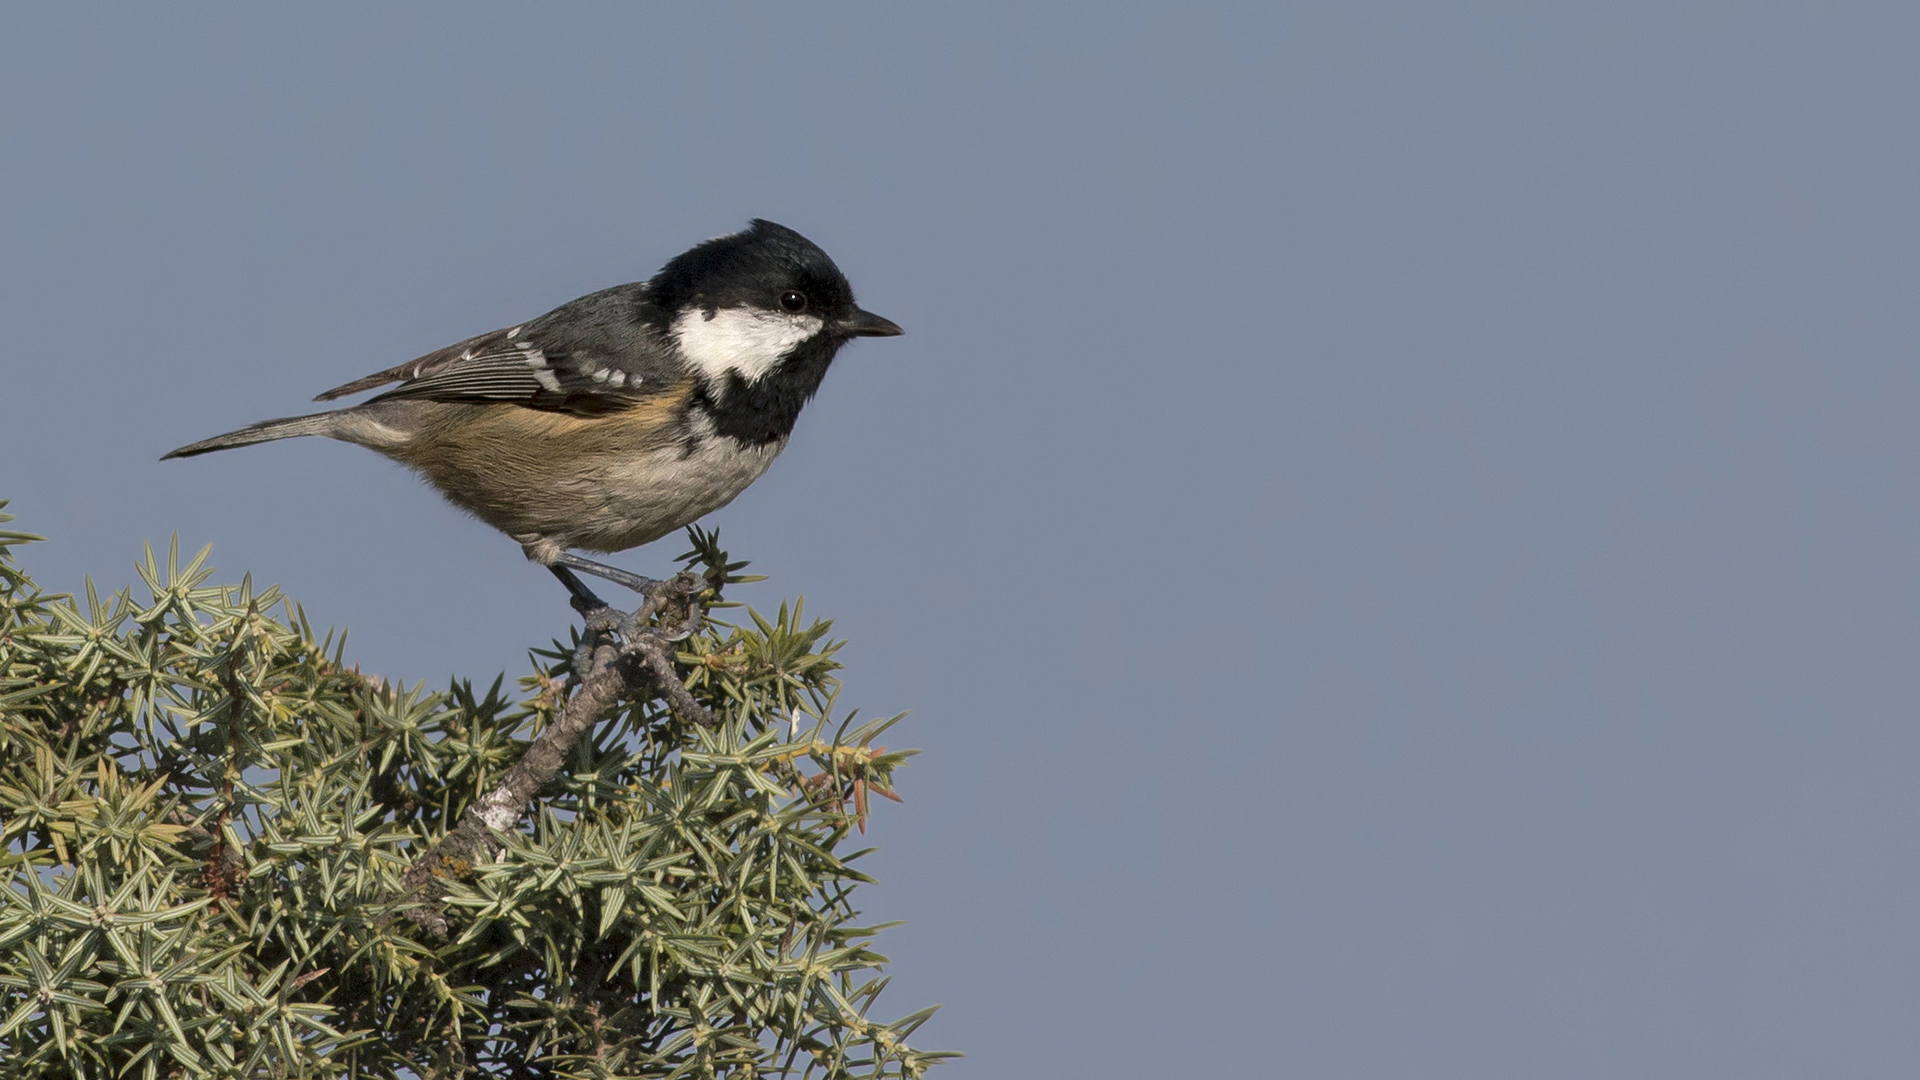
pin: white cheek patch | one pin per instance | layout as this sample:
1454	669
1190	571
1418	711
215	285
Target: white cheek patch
740	341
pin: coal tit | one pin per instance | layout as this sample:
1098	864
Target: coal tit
620	417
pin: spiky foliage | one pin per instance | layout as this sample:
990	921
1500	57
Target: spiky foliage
205	817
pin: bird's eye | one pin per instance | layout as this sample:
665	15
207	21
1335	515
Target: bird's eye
793	301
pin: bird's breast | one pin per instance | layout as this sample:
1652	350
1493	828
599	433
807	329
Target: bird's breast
603	483
643	498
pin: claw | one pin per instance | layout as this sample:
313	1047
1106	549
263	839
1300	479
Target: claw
687	629
605	620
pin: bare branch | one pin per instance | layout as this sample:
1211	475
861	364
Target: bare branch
652	651
601	683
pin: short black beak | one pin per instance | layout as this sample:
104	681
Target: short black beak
867	324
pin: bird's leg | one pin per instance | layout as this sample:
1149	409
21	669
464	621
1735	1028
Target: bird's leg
599	617
597	612
642	585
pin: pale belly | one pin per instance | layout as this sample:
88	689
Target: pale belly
629	503
555	483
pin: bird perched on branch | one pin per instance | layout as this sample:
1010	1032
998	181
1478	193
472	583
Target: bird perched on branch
617	418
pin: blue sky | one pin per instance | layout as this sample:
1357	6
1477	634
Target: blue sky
1396	524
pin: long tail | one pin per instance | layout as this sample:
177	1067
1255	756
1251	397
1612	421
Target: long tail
265	431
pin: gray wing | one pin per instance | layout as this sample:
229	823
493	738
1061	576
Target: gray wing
601	353
413	369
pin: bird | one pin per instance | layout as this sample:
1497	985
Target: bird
616	418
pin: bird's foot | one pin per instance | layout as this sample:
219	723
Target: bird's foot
602	617
583	600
